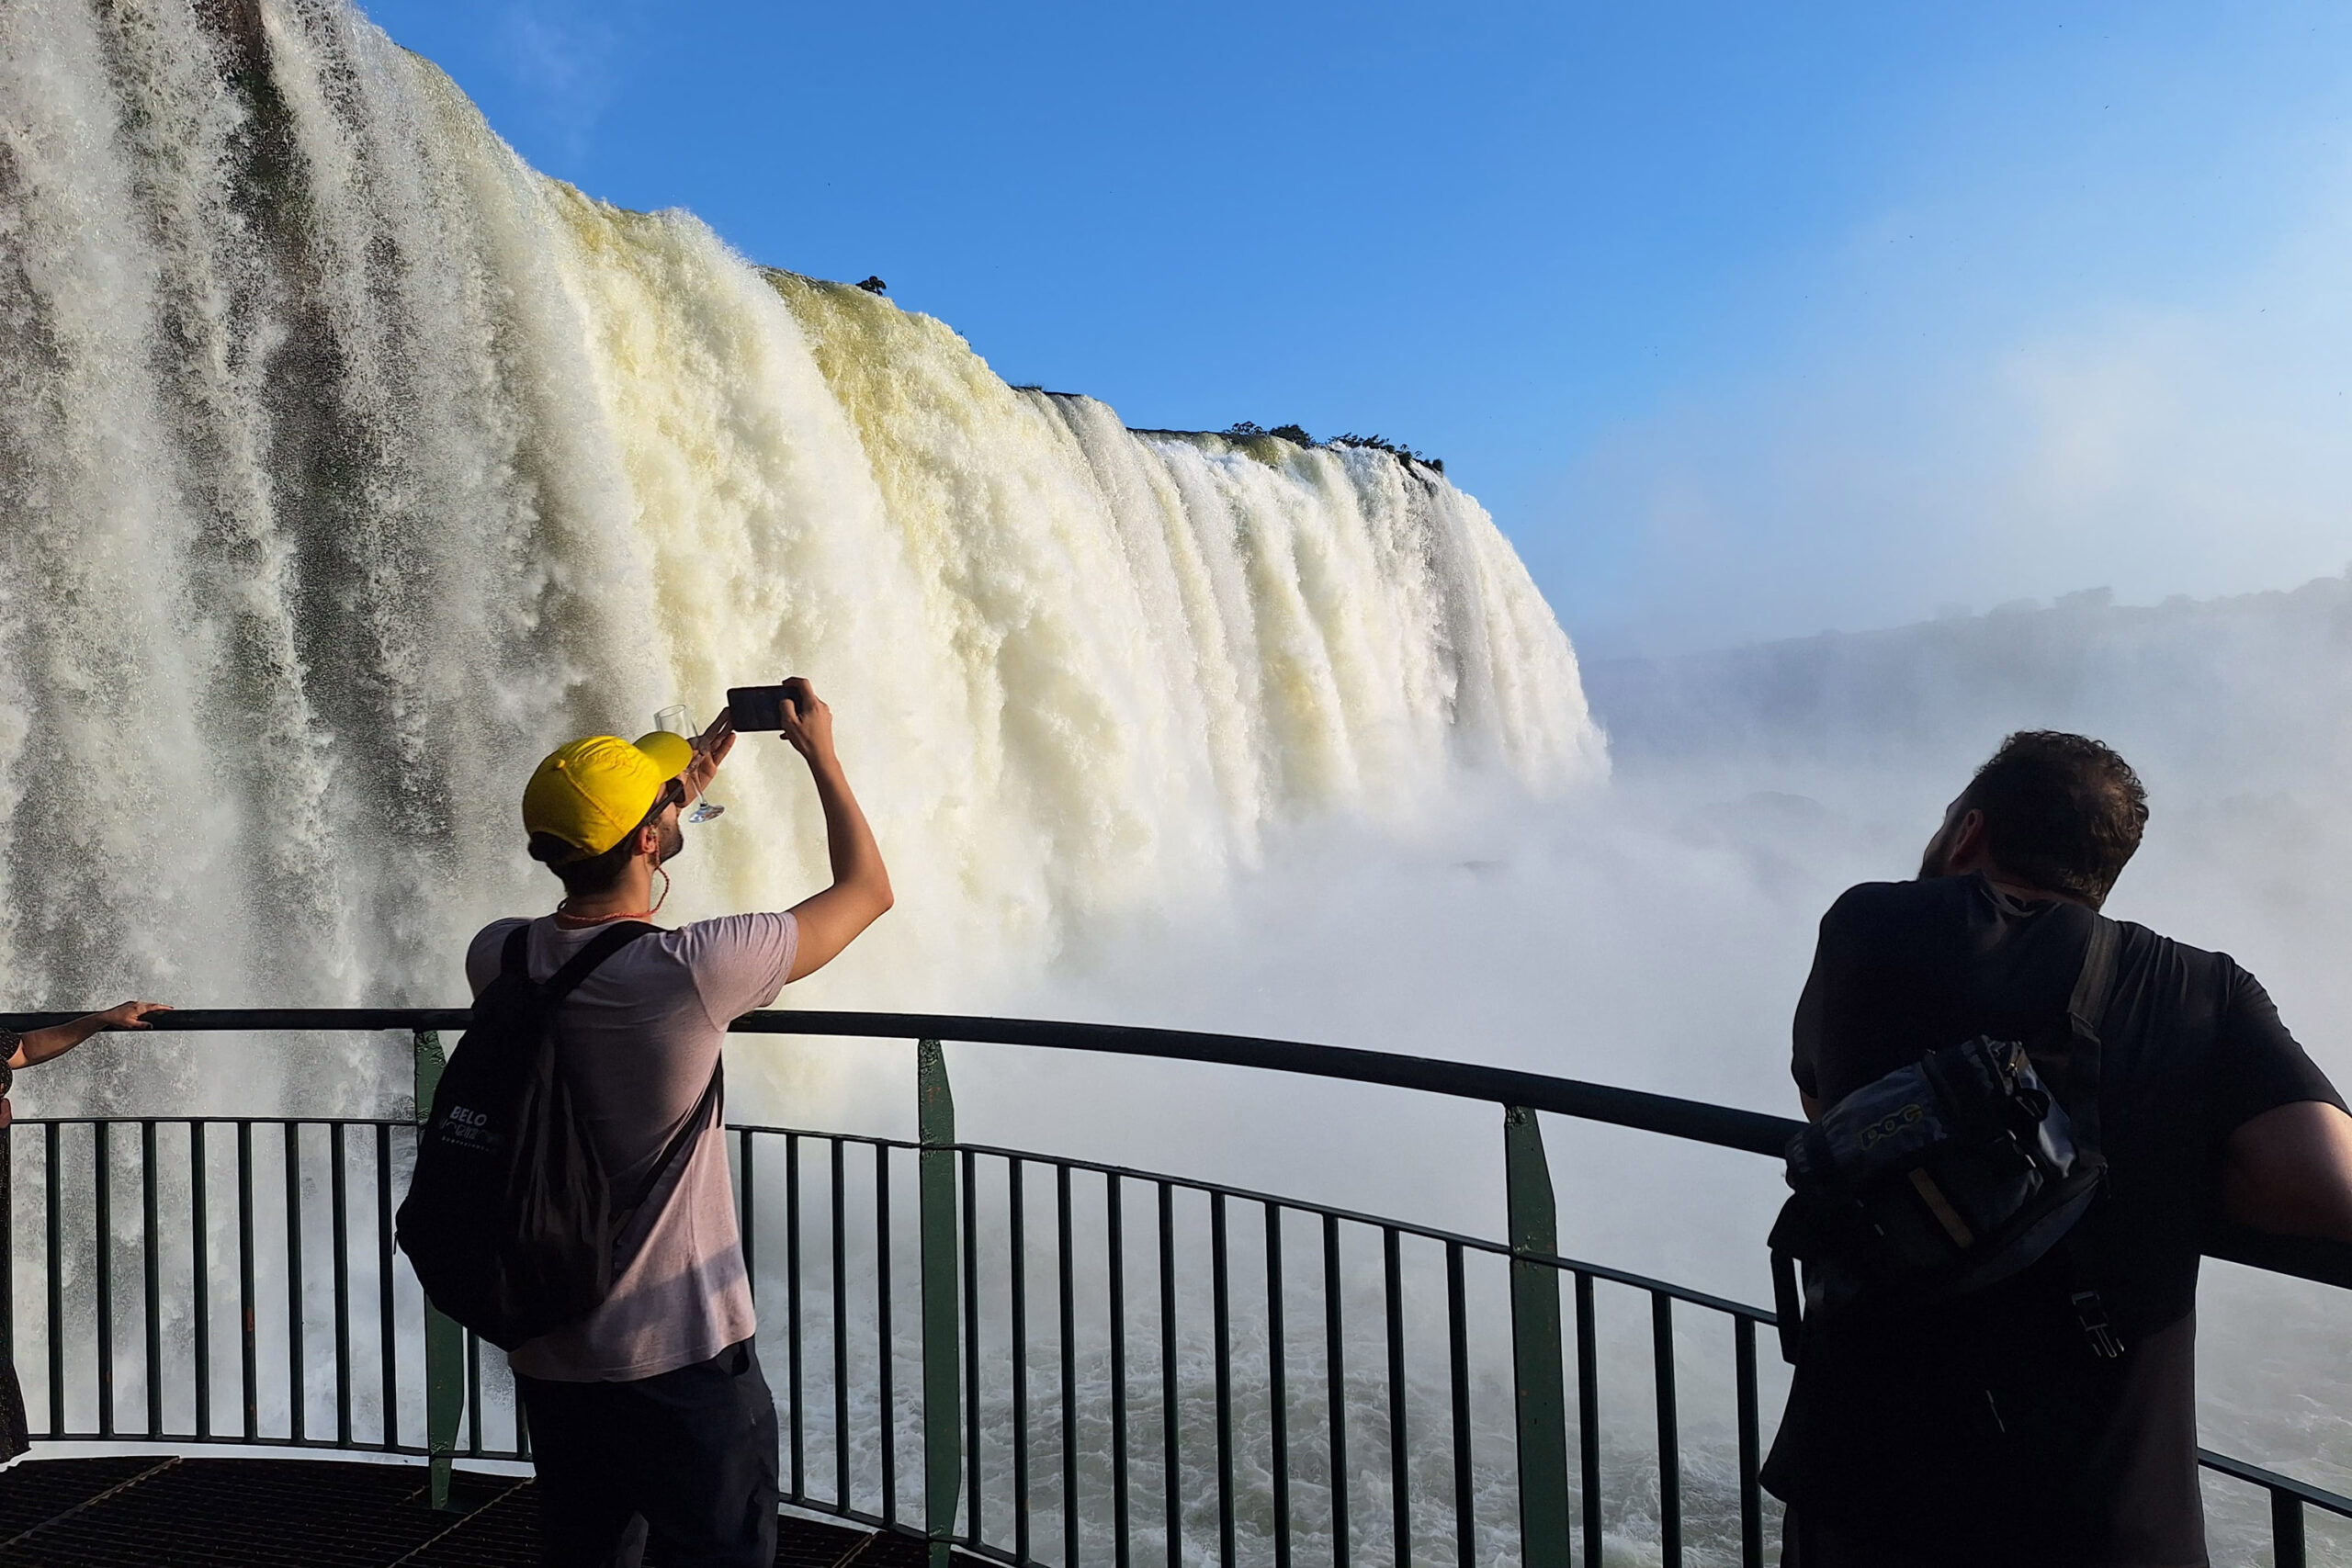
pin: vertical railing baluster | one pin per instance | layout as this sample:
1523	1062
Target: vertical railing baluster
1114	1226
1335	1384
1065	1268
1751	1497
1588	1417
841	1324
54	1179
473	1394
295	1391
1171	1494
248	1351
972	1530
747	1215
1669	1433
1536	1372
943	1425
1400	1457
886	1363
793	1316
1457	1335
200	1249
102	1205
1277	1387
2285	1530
1018	1241
445	1345
1221	1338
152	1269
387	1342
338	1196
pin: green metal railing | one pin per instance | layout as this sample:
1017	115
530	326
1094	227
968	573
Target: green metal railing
1321	1404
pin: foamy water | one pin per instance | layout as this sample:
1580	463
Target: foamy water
347	465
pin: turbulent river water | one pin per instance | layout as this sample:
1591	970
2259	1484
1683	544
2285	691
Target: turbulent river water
347	463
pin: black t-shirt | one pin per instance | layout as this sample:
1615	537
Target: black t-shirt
1893	1422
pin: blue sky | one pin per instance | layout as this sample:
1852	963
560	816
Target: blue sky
1744	320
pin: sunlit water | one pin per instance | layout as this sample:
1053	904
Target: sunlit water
347	463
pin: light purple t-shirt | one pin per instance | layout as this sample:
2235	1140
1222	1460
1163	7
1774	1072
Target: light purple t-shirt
639	1039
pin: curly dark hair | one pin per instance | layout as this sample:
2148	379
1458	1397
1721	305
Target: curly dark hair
2061	811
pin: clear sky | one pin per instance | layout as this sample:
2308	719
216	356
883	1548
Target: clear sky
1743	320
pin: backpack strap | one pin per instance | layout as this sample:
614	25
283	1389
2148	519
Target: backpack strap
560	983
578	967
2086	1012
697	1122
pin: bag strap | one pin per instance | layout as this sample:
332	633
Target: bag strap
578	967
697	1122
2086	1012
2085	1015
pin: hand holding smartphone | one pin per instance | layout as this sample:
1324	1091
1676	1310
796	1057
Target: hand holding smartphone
792	707
756	708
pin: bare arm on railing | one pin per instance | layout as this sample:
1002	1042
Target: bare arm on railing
47	1044
2290	1171
860	895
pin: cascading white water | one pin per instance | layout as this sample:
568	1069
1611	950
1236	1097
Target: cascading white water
347	463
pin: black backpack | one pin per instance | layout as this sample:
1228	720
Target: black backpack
1951	1174
510	1220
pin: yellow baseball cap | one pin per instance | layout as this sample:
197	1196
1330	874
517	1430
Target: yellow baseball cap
591	793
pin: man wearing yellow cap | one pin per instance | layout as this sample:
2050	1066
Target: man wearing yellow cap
650	1416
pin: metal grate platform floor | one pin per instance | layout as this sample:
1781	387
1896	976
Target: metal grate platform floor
165	1512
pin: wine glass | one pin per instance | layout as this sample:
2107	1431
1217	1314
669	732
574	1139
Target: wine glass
675	719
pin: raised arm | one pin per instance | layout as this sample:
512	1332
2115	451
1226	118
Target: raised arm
860	895
2290	1171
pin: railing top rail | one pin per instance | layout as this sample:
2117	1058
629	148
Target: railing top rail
2303	1490
1723	1126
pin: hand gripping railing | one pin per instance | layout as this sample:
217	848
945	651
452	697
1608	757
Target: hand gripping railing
1556	1522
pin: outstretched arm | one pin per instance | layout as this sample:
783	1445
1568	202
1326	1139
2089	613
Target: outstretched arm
46	1044
860	895
2290	1171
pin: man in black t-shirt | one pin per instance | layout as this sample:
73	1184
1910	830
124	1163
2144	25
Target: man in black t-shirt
1986	1429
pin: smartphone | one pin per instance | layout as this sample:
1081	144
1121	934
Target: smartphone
755	707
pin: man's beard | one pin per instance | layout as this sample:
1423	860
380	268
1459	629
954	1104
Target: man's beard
673	840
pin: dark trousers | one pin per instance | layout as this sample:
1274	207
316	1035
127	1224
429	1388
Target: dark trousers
686	1458
1806	1543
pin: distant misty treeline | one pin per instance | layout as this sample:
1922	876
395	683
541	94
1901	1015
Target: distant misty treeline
2246	693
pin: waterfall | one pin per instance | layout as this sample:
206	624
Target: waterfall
347	464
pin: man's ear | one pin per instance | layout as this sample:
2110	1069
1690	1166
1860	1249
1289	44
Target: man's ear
1968	851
